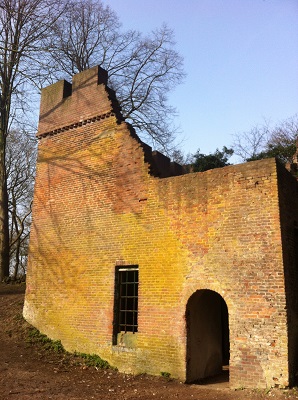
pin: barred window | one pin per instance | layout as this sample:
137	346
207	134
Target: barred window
126	299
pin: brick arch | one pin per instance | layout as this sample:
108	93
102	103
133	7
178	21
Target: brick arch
207	327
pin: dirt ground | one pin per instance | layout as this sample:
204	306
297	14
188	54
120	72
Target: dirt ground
28	371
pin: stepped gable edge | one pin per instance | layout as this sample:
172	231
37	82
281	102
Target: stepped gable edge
65	106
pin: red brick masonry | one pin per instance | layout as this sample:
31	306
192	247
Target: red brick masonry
103	199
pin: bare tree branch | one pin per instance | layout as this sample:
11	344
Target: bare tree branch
142	70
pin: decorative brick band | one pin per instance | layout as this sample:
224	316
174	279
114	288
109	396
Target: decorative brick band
77	124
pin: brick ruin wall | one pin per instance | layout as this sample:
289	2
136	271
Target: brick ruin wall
97	205
288	191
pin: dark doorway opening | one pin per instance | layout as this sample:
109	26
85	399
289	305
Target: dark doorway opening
208	342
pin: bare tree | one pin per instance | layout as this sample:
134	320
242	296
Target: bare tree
23	34
20	169
285	136
247	145
181	158
265	141
142	70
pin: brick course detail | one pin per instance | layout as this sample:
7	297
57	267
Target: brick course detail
103	199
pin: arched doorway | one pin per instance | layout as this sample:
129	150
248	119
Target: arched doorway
208	344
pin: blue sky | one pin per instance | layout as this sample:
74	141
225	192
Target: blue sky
240	57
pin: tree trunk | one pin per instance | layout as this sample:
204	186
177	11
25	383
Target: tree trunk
4	227
17	260
14	223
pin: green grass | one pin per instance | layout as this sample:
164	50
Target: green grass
93	360
165	374
34	337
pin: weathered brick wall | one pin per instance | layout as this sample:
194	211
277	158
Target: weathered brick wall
228	221
288	189
97	206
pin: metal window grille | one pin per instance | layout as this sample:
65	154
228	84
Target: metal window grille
127	310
